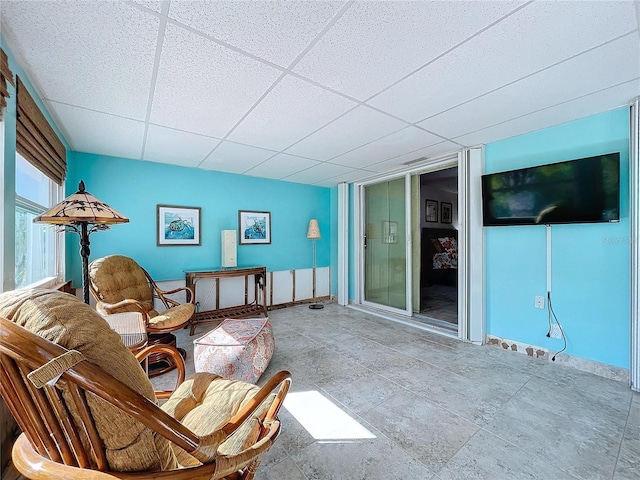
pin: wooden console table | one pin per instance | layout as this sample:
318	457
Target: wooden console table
246	310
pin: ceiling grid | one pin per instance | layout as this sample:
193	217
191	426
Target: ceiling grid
318	92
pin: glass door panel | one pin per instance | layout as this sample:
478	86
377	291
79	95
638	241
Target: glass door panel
385	246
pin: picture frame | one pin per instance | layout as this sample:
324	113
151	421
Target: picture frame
176	225
254	228
431	211
389	232
446	213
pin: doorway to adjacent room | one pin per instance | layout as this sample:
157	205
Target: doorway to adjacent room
437	261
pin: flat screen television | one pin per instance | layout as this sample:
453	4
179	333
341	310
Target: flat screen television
585	190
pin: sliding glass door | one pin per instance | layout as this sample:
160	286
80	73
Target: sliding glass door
385	244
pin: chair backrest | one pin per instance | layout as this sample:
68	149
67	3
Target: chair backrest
59	419
40	325
115	278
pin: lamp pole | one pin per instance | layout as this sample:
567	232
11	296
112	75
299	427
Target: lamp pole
84	253
314	233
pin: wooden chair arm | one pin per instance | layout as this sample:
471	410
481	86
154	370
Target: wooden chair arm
281	379
161	293
38	467
190	296
170	302
174	354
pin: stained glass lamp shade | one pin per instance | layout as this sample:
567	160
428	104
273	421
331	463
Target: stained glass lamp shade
83	214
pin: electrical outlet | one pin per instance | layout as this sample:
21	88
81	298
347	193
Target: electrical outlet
555	331
539	301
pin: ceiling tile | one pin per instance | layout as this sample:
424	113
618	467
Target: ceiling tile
155	5
377	43
565	112
235	158
280	166
359	126
166	145
85	53
423	153
348	177
582	75
319	173
99	133
584	25
291	111
405	140
203	87
277	31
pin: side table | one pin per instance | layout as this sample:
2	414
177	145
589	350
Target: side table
248	308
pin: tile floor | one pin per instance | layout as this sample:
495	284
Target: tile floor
440	302
436	408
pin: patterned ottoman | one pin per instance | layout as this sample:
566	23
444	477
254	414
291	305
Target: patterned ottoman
237	349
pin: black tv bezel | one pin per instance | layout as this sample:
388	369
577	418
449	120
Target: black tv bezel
513	221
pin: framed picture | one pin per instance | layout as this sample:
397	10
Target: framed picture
389	232
178	225
254	227
446	213
431	211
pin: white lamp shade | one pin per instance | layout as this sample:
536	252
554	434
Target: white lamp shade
314	229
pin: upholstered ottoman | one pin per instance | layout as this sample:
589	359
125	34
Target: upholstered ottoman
237	349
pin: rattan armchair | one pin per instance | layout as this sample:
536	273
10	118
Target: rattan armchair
119	285
83	420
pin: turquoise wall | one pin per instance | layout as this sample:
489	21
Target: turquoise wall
590	270
134	188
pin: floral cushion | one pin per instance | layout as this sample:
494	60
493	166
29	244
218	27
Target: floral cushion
448	258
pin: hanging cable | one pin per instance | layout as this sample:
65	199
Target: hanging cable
564	338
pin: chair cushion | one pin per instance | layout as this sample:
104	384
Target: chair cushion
173	317
118	278
205	402
67	321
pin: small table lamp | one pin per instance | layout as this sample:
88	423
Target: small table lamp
314	233
74	214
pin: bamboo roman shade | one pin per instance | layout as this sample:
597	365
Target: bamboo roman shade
36	140
6	75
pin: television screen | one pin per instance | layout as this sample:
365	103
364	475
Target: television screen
575	191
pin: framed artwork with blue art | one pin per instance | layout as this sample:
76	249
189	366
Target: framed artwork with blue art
254	227
178	225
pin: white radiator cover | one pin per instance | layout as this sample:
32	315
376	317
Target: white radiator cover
281	288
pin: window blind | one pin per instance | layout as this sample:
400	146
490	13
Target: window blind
36	141
6	75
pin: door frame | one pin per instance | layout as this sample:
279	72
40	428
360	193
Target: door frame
471	321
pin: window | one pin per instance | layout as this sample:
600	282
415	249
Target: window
38	249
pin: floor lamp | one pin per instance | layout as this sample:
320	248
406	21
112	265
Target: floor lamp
314	233
83	214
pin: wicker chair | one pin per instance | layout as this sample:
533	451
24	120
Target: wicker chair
120	285
88	411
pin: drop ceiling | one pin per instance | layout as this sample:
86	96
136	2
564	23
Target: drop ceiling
318	92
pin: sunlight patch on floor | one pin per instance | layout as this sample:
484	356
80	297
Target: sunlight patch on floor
323	419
